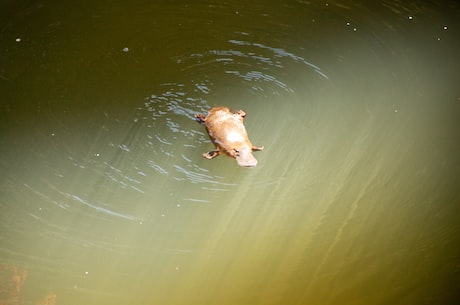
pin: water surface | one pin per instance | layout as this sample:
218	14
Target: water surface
104	195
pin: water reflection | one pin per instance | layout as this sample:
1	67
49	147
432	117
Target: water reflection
12	280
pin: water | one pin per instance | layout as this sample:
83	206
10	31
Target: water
104	195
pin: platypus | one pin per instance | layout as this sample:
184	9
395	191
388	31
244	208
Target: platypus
227	133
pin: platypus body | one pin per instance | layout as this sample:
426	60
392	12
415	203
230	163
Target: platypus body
227	133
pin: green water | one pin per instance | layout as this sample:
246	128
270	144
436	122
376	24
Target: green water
106	199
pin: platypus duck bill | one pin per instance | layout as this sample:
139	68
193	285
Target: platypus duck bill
246	160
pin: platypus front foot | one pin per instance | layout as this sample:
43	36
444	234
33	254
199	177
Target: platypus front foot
211	154
200	118
241	113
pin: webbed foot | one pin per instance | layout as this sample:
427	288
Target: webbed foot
200	118
211	154
241	113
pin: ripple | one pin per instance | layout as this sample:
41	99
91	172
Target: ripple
103	210
214	76
257	76
252	62
277	53
196	177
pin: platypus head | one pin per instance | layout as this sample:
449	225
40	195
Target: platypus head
244	157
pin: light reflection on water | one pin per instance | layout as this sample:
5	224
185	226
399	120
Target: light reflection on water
105	198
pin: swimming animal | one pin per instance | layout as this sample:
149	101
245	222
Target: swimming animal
229	136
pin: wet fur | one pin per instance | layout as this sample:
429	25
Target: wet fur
229	136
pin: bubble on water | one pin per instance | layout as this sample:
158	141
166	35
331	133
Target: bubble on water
18	39
444	27
124	147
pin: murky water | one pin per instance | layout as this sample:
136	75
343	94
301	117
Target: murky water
104	195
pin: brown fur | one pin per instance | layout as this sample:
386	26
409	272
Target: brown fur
229	136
